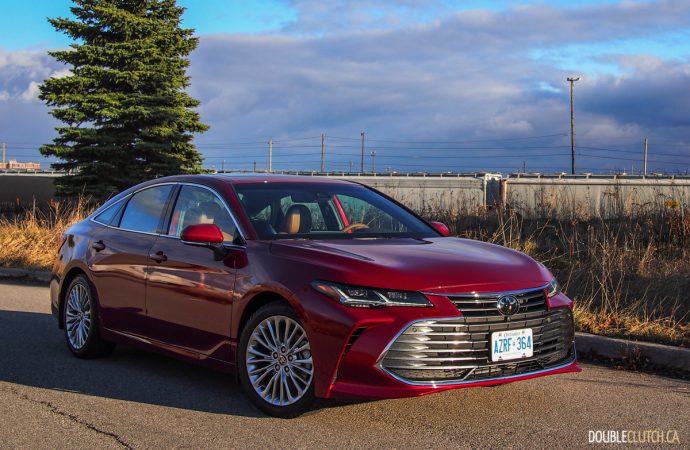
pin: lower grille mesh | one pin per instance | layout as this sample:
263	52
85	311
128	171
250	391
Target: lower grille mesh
459	349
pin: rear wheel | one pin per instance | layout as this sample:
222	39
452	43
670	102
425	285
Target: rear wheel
80	320
275	364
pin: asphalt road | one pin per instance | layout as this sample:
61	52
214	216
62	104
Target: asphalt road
48	399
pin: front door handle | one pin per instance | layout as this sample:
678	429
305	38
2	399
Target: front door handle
159	256
98	246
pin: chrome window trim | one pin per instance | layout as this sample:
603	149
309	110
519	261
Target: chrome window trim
175	183
127	197
98	212
126	229
485	294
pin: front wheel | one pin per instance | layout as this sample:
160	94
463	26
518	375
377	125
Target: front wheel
80	320
275	363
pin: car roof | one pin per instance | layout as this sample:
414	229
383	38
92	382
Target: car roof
237	178
252	178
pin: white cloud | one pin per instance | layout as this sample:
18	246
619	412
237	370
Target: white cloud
61	73
31	92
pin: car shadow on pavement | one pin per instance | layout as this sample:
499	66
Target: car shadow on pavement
33	353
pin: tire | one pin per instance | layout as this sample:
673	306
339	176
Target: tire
275	364
80	321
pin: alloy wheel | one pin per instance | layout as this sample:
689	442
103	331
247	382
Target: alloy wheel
278	360
78	316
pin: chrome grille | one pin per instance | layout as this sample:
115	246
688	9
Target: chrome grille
458	349
481	305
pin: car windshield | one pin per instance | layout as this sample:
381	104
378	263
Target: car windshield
326	211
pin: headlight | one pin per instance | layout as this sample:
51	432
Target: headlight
362	297
553	289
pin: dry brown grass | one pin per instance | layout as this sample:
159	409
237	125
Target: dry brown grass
29	240
627	324
629	276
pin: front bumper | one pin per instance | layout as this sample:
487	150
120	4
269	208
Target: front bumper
347	389
405	356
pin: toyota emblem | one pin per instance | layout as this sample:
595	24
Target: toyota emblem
508	305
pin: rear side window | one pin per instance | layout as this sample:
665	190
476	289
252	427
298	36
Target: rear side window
143	211
111	215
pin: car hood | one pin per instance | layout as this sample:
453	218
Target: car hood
431	265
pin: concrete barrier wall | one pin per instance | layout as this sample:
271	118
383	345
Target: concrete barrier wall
461	193
595	196
532	196
23	189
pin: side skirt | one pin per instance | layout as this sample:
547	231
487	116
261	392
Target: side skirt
169	350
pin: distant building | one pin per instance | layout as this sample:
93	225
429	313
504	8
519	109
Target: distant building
13	164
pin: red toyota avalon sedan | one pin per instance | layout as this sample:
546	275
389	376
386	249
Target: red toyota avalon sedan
305	287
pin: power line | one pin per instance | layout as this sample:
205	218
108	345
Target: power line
456	142
635	151
634	159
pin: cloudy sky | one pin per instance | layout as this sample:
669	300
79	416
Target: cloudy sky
474	85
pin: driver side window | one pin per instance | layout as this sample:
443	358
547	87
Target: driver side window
197	205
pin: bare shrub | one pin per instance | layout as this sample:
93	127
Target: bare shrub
628	275
29	239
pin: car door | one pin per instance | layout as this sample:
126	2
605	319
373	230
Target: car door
122	248
189	293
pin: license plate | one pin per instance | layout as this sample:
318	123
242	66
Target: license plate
511	344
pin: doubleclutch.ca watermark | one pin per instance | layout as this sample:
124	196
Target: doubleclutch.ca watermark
634	437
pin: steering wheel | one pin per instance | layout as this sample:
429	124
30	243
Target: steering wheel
354	226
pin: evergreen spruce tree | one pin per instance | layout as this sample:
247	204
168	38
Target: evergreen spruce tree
126	115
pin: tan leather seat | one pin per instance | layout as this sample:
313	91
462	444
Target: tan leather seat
297	220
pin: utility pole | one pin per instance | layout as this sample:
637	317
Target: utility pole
645	157
361	164
254	167
323	165
270	155
350	166
373	161
3	156
222	166
572	122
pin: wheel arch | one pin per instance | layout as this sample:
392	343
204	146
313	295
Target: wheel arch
257	302
71	274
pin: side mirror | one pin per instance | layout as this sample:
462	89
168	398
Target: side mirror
205	235
441	228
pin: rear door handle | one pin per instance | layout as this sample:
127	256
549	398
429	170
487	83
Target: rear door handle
159	257
98	246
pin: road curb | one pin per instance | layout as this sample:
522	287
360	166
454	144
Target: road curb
634	353
25	274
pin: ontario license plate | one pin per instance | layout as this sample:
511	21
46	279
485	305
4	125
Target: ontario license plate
511	344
